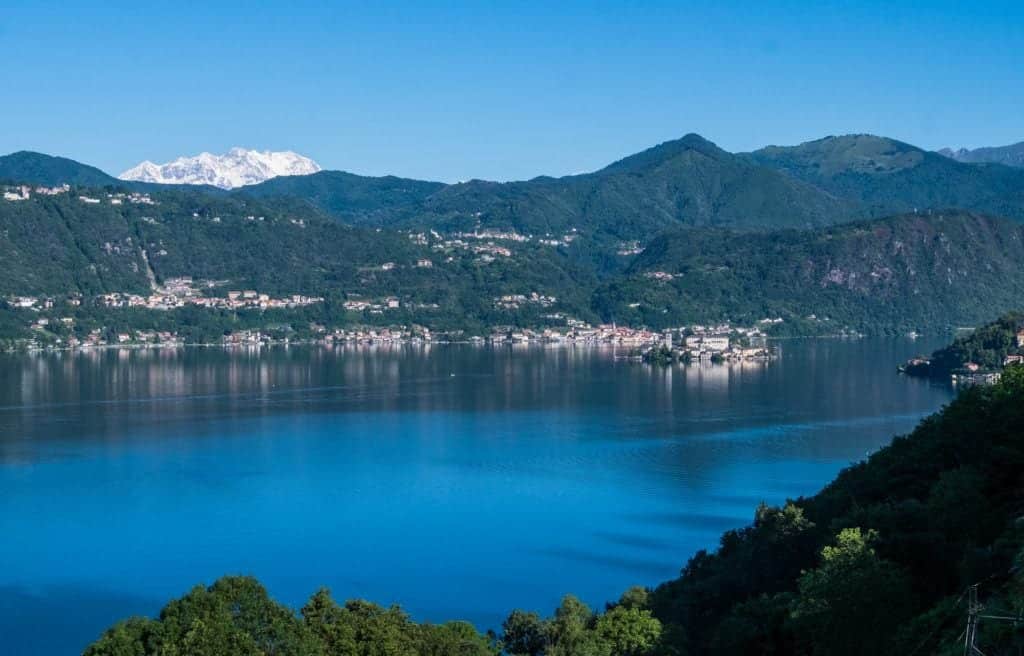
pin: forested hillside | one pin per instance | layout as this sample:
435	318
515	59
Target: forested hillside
916	272
877	563
987	347
64	247
355	199
884	176
679	233
685	182
899	274
689	181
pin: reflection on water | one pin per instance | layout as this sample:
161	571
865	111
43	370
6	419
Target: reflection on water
459	481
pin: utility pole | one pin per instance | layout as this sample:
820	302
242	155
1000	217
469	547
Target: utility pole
973	611
974	614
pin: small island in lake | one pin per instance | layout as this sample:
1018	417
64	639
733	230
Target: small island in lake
716	344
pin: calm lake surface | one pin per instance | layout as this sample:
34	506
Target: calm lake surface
458	481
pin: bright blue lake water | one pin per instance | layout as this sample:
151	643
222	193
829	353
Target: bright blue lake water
459	481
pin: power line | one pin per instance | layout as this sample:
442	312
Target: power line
974	615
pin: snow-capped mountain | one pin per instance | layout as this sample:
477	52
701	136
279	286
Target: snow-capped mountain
236	168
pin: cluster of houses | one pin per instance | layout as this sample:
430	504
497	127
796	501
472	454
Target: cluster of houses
179	292
483	243
120	199
578	333
515	301
352	336
547	239
24	192
374	306
394	335
710	345
972	373
96	338
486	252
628	248
482	235
659	275
30	302
696	342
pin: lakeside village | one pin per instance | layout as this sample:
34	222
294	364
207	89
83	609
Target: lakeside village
719	343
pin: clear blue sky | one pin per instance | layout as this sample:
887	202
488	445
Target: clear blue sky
500	90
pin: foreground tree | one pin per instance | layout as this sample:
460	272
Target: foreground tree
854	602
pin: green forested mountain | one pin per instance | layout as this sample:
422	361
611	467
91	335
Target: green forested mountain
354	199
884	176
689	181
898	274
61	245
685	182
877	563
39	169
776	233
924	271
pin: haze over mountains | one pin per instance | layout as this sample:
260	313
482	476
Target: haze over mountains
1012	155
758	230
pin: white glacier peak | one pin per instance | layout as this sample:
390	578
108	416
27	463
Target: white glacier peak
236	168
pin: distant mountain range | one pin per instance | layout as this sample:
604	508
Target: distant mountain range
685	182
681	231
1012	155
236	168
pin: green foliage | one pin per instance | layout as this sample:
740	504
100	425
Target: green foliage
851	591
875	562
524	634
986	346
884	276
236	617
628	631
624	629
